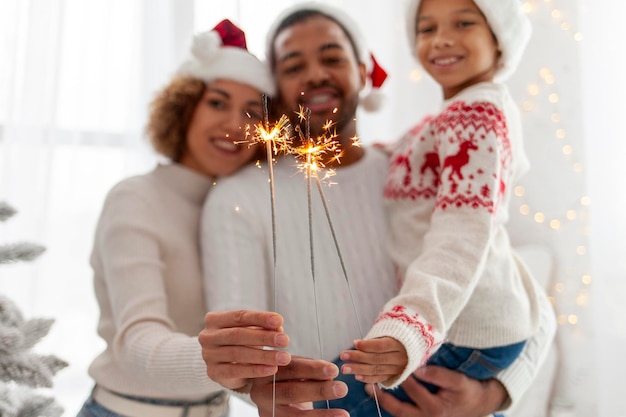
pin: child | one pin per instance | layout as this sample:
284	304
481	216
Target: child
447	192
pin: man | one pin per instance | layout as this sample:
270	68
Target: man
320	62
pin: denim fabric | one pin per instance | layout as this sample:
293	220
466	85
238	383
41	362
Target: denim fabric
476	363
93	409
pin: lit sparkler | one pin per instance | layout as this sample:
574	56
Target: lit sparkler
276	139
313	153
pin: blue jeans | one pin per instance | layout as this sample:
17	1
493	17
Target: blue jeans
479	364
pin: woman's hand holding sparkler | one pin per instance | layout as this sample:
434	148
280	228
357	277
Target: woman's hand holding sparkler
375	360
234	346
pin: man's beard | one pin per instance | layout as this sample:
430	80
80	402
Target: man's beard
317	124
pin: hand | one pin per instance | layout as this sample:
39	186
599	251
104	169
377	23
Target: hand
375	360
297	385
232	346
458	395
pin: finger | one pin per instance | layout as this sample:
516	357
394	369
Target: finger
243	318
393	405
310	391
231	371
371	373
297	391
304	368
245	355
418	393
242	336
379	345
372	379
294	411
442	377
398	359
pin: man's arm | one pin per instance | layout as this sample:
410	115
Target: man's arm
518	377
460	396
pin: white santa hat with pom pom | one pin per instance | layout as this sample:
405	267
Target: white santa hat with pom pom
222	53
372	98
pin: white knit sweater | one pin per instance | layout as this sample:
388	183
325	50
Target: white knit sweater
148	285
237	257
448	192
237	247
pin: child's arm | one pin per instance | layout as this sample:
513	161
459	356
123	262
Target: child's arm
375	360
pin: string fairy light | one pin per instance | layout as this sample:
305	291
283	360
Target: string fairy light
556	14
545	88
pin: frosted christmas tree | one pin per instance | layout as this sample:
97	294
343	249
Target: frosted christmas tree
23	373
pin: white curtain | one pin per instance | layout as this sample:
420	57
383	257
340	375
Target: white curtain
75	80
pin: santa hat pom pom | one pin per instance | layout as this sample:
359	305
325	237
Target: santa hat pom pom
206	45
373	101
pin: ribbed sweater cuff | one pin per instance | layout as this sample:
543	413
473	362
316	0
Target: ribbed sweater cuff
515	380
412	340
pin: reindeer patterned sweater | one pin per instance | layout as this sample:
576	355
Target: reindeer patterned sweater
447	193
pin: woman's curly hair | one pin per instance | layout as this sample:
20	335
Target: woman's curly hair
170	115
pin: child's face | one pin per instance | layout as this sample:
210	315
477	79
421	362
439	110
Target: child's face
454	44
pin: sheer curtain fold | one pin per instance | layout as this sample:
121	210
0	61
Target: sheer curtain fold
75	81
76	77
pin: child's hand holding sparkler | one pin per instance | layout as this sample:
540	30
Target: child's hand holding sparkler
375	360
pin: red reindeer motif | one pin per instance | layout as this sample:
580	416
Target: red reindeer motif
457	161
431	162
404	161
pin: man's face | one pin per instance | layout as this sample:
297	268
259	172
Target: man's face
316	67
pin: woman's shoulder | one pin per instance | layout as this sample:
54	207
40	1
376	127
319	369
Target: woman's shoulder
137	194
136	186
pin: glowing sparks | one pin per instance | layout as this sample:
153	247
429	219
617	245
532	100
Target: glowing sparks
277	135
314	153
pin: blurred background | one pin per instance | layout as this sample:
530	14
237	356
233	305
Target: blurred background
75	80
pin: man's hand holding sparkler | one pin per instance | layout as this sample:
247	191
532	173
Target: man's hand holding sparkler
234	346
375	360
290	393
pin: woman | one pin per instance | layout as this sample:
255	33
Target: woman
145	258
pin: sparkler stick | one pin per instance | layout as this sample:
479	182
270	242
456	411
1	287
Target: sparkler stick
309	172
313	154
269	155
343	269
275	140
268	151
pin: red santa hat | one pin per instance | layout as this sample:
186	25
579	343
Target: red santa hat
372	97
507	21
222	53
